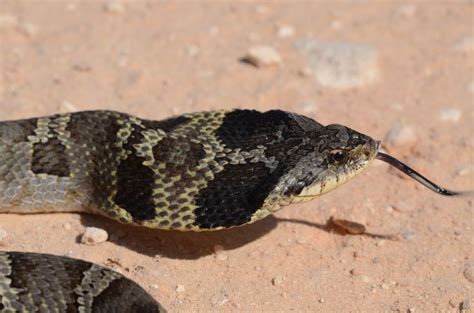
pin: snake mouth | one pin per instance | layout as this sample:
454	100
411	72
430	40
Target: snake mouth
415	175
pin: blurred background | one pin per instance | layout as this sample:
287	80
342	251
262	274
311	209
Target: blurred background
397	71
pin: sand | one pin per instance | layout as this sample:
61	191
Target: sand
402	69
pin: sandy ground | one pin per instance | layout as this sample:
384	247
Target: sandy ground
371	66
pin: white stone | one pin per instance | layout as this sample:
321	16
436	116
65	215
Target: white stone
450	114
8	21
114	7
261	56
407	10
277	280
341	65
180	289
28	29
465	44
3	236
94	235
285	31
400	137
465	170
470	86
193	50
66	107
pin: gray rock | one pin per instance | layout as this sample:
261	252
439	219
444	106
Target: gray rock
400	137
469	272
341	64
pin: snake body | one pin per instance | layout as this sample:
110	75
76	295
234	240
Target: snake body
195	172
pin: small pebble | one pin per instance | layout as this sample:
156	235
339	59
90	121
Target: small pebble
466	304
406	10
408	234
219	300
219	251
285	31
470	86
465	44
214	31
261	9
411	310
28	29
66	107
355	272
154	286
451	114
8	21
465	170
308	106
277	280
261	56
221	256
305	72
321	300
400	137
193	50
93	236
380	243
365	279
336	24
469	272
180	289
114	7
3	236
67	226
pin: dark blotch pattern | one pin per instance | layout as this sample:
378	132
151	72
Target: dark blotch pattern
113	297
178	155
18	131
50	158
246	129
53	279
49	277
233	196
135	182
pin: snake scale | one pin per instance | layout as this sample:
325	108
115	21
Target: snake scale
195	172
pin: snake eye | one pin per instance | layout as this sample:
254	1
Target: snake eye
338	156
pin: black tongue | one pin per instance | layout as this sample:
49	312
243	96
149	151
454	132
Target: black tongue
415	175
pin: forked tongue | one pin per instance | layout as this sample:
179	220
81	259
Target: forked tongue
415	175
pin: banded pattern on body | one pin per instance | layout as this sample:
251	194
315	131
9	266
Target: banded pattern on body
198	171
31	282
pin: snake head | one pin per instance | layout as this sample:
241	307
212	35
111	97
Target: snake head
335	155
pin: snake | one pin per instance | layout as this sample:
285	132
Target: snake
202	171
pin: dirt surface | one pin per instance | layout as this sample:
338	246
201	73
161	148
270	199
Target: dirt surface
404	67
